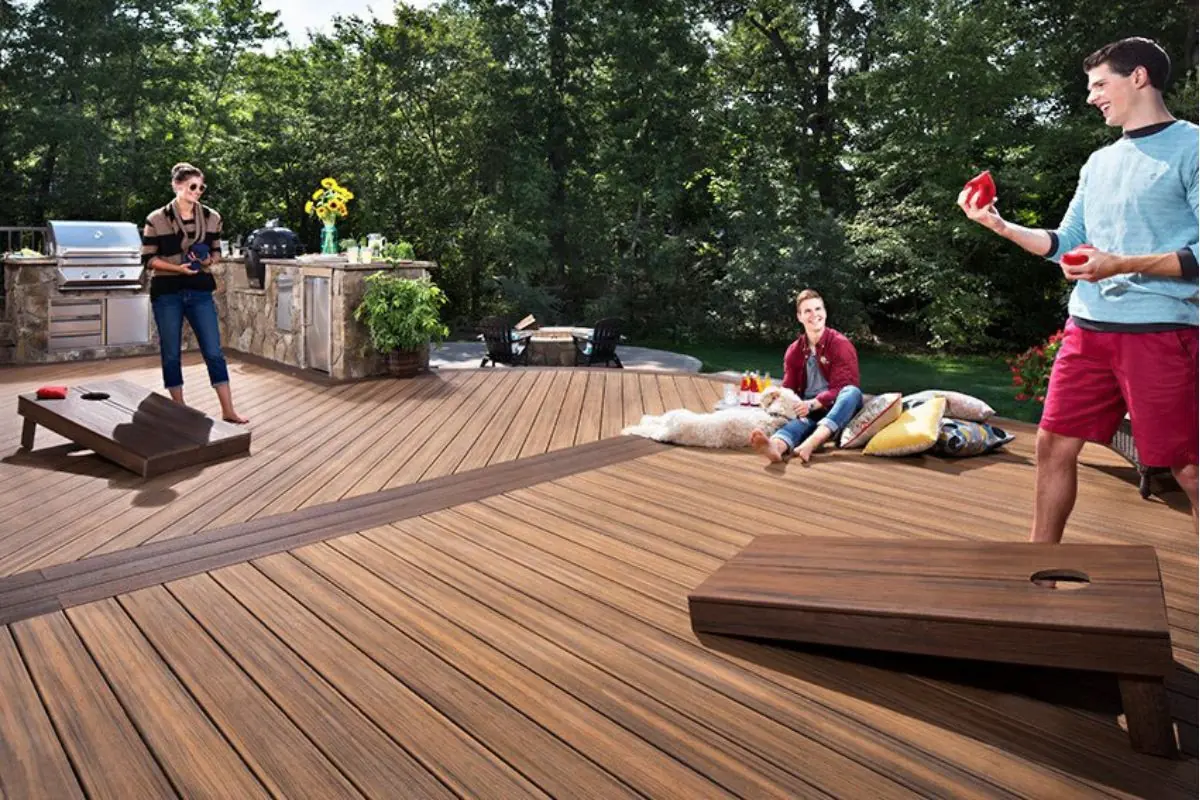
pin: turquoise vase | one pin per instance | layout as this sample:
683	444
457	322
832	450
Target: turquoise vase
329	242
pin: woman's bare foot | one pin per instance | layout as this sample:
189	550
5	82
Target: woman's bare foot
773	449
225	396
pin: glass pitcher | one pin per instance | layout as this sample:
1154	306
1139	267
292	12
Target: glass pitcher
375	244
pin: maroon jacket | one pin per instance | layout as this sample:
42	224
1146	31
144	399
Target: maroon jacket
836	359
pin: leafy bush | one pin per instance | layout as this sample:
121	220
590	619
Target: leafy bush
1031	369
398	251
401	313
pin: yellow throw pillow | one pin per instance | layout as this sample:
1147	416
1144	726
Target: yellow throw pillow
915	432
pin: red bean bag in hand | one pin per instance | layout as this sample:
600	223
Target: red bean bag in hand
982	188
1079	255
52	393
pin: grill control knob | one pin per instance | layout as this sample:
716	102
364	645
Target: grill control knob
87	276
103	276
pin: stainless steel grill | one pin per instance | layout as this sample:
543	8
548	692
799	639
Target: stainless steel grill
96	255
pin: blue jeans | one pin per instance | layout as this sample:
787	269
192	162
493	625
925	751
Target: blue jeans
847	404
197	307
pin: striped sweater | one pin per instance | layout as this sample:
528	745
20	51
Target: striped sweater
168	236
1137	196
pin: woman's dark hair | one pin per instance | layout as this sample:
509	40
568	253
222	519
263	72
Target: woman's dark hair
183	170
1125	56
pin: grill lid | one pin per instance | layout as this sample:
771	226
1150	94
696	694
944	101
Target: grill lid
75	239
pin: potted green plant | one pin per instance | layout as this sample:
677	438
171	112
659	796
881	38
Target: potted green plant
402	315
395	252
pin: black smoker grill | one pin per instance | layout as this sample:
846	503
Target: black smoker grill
96	255
269	242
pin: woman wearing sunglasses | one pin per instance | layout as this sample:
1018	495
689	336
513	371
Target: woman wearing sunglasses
179	242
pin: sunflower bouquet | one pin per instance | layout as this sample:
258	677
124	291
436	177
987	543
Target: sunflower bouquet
327	204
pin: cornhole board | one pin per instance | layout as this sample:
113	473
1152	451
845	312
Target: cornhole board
970	600
143	431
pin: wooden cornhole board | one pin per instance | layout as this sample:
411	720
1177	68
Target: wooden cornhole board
972	600
142	431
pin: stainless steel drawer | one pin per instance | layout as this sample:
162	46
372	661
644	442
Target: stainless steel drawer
75	327
72	342
76	309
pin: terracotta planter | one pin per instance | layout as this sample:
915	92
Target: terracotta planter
404	363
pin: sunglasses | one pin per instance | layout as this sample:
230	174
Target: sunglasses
201	187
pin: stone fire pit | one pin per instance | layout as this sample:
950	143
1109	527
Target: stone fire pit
554	347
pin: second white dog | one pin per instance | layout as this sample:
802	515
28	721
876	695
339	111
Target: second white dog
727	428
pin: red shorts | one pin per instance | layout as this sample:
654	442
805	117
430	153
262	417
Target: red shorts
1098	377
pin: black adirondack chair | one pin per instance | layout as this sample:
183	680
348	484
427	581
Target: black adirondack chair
601	346
502	346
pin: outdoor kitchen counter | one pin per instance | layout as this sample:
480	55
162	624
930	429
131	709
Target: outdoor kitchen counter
38	318
303	316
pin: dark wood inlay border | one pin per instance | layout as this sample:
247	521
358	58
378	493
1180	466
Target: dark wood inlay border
31	594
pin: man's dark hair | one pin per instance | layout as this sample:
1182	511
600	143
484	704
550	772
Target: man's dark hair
1125	56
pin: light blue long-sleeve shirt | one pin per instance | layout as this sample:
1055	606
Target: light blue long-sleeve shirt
1138	196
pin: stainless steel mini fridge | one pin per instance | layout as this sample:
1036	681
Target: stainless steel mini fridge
317	340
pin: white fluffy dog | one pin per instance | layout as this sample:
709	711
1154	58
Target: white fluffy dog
727	428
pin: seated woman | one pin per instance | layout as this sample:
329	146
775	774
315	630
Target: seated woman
822	367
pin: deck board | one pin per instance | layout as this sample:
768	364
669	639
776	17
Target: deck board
108	754
352	600
463	585
32	760
285	759
567	423
189	747
364	750
626	727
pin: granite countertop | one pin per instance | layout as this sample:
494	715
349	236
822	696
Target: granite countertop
340	263
50	261
30	261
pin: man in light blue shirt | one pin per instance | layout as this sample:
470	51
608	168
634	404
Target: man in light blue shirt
1131	342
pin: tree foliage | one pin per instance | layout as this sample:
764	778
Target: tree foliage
688	165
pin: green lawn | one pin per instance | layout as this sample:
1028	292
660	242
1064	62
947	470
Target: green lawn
987	378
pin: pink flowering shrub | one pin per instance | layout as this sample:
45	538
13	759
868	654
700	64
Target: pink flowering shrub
1031	369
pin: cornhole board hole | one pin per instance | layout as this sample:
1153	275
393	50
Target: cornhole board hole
1102	610
142	431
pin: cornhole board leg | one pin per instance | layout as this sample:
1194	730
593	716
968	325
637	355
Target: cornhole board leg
27	433
1148	715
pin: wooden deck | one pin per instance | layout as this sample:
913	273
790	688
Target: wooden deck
468	586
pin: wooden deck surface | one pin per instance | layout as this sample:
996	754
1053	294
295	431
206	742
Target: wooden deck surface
311	445
530	640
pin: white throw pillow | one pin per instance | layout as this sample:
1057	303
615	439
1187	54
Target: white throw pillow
958	405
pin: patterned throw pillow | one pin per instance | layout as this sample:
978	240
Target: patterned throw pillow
915	432
877	413
960	438
958	405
